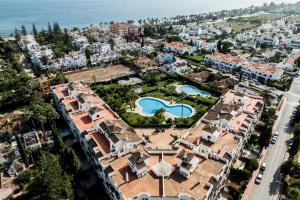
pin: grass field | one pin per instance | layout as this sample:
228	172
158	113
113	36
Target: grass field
242	23
196	57
296	18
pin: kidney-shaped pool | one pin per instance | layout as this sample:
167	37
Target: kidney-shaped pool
150	105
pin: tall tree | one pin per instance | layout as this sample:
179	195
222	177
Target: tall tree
59	78
41	113
69	160
23	30
56	28
34	30
49	181
17	34
50	31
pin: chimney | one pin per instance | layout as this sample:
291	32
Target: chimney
127	177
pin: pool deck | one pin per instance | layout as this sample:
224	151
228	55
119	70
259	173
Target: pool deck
139	109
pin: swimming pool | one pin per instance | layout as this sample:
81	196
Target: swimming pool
191	90
150	105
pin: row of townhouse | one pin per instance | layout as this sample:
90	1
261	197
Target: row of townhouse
78	40
203	30
221	134
225	62
179	48
293	42
95	33
194	167
180	66
268	40
256	70
130	46
253	70
199	42
271	34
245	36
104	58
42	56
38	54
73	60
289	62
99	47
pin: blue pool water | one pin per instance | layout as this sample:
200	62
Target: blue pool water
189	89
151	105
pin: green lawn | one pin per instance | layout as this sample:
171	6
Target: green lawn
196	57
282	84
243	23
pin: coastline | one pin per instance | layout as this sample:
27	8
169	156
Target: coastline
9	21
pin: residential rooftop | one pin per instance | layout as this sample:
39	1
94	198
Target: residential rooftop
160	170
237	60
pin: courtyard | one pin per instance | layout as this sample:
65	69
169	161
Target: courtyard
123	100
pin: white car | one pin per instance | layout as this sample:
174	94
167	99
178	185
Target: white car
258	178
263	166
276	134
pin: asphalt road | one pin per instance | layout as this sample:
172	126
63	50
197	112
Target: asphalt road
269	188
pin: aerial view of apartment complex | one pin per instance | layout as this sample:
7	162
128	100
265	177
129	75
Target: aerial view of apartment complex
190	107
192	167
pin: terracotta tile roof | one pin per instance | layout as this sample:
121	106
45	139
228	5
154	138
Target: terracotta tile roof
238	60
291	59
119	130
262	68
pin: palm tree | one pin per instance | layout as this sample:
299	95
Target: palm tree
160	113
266	96
34	85
41	113
132	97
181	98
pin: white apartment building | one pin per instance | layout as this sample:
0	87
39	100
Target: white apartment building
123	160
178	47
224	62
99	47
101	59
131	46
74	60
258	70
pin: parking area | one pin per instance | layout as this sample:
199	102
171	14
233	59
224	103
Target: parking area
99	74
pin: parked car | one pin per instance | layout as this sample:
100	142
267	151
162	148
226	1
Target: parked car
263	166
258	178
274	139
276	134
290	143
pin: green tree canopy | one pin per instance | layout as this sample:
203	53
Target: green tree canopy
49	181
